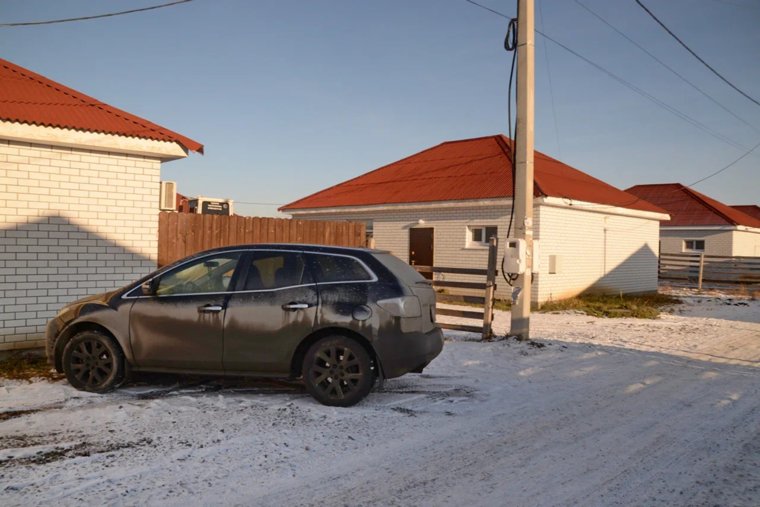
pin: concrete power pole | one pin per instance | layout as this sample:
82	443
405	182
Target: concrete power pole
523	198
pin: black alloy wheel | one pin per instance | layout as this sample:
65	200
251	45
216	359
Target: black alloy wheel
93	362
337	371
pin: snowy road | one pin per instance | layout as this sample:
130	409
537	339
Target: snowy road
610	412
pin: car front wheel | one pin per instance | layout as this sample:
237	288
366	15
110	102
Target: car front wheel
337	371
93	362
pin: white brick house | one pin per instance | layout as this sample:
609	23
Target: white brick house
592	236
79	183
700	224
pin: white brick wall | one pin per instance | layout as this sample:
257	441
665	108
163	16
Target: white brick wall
726	242
598	252
746	243
73	222
628	263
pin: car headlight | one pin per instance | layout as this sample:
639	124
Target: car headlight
404	306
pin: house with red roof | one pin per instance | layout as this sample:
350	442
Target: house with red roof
701	224
79	189
441	205
752	210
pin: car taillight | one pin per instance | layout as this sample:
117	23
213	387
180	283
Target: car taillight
404	306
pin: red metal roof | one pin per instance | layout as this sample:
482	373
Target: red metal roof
469	169
752	210
688	207
30	98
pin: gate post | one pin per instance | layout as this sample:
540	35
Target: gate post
490	289
701	269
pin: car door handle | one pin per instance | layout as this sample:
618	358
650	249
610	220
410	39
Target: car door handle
296	306
210	309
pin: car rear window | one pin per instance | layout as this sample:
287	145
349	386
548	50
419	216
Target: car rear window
338	268
401	269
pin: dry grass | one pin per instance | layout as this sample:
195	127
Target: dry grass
646	306
25	366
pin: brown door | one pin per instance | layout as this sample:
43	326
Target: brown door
421	248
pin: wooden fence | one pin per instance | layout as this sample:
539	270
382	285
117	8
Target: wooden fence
183	234
709	268
467	293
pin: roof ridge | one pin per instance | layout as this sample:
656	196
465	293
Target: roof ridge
700	198
286	206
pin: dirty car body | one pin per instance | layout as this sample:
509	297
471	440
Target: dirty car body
337	317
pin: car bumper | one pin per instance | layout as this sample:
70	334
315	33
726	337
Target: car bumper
51	334
409	352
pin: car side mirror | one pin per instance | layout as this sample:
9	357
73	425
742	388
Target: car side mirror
150	287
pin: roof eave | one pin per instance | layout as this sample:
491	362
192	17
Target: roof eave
97	141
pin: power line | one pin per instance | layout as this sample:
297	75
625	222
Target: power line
98	16
261	203
725	167
622	81
695	55
651	55
549	79
488	9
630	86
648	96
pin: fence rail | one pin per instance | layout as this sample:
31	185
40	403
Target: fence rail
709	268
183	234
484	316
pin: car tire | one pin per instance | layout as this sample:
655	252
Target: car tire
93	362
337	371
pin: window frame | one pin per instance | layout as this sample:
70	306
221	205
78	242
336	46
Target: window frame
471	243
695	241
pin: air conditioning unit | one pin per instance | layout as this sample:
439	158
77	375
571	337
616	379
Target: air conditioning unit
167	200
210	206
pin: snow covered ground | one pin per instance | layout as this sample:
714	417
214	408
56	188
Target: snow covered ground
608	412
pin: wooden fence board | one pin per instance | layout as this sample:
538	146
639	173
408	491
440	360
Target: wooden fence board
183	234
712	268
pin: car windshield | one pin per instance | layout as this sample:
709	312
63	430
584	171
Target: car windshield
401	269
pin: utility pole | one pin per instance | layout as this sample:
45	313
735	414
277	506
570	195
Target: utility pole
523	198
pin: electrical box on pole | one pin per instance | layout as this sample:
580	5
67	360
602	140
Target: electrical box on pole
524	142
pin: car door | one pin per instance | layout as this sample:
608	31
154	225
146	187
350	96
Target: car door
180	324
270	313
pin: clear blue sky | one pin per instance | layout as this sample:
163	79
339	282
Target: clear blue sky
290	97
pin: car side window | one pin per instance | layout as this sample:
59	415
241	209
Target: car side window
274	270
338	268
207	274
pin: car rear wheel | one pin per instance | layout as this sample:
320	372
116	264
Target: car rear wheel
337	371
93	362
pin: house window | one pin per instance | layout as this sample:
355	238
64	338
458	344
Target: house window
480	235
693	245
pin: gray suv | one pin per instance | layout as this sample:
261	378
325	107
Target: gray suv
339	318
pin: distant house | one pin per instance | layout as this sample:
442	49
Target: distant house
752	210
700	224
441	205
79	188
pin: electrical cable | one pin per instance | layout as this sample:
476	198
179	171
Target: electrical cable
510	45
695	55
97	16
665	65
631	86
549	80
